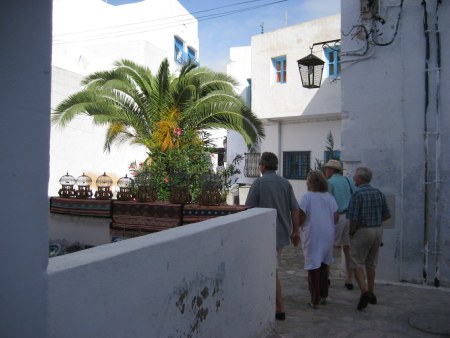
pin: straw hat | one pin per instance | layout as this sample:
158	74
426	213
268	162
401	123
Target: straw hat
335	164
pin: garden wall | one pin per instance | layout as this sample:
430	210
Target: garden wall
210	279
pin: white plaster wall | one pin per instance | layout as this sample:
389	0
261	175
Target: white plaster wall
295	118
301	136
24	105
88	35
239	68
78	148
384	97
210	279
270	99
86	230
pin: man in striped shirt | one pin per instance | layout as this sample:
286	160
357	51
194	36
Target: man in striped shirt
366	211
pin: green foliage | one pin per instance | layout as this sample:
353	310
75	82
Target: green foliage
168	115
227	174
139	107
179	167
329	148
212	181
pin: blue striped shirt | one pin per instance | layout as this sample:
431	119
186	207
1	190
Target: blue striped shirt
368	206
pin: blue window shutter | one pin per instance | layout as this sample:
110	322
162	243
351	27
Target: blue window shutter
280	69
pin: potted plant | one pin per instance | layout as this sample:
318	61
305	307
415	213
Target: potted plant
179	187
211	189
143	186
227	175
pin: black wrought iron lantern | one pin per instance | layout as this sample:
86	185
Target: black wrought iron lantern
103	183
67	182
311	68
125	184
84	185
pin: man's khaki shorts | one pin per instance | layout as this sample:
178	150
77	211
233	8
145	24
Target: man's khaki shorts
364	247
341	236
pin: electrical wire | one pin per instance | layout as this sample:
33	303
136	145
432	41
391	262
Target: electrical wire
425	148
166	18
437	195
167	25
378	19
366	47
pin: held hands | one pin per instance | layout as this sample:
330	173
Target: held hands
295	238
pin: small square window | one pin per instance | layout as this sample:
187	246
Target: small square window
333	57
251	166
179	53
296	164
192	54
328	156
279	66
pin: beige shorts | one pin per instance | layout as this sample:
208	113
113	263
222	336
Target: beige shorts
364	247
341	236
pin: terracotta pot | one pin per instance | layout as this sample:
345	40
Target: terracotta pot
179	195
209	197
146	194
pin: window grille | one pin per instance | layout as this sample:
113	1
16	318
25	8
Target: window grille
296	164
251	166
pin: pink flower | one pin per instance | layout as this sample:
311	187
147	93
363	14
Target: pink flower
166	180
178	131
141	164
131	166
134	173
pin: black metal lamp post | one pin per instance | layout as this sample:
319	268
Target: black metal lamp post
311	68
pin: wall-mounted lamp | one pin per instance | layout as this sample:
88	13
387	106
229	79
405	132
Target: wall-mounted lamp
311	67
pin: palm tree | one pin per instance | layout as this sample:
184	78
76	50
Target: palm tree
152	110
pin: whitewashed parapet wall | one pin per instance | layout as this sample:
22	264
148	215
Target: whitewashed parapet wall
395	104
209	279
88	36
24	105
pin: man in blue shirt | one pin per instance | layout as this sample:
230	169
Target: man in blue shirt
342	189
366	211
273	191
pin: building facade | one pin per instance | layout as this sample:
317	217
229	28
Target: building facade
395	74
297	120
89	36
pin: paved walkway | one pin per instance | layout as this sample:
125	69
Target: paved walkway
403	310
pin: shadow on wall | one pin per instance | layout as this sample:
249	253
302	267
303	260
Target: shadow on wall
326	100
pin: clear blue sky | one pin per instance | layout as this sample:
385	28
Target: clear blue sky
218	34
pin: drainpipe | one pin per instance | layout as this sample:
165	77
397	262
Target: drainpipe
279	141
438	151
426	143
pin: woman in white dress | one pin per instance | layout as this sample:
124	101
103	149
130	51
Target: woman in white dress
318	215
